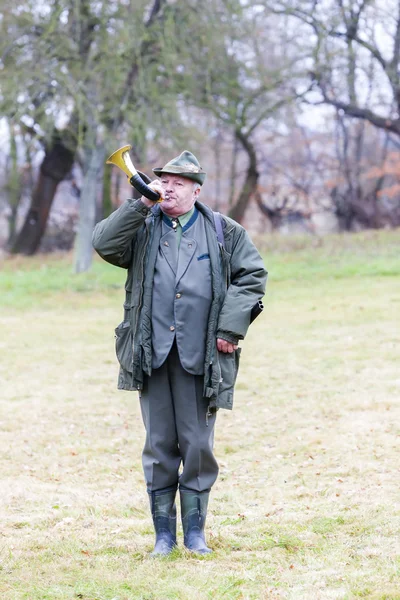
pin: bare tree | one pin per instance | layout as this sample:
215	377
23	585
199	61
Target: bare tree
362	176
242	77
343	38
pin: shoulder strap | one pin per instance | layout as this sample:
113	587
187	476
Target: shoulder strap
218	228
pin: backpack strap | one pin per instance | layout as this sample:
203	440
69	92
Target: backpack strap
219	228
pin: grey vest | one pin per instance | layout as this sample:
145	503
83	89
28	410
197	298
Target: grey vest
182	295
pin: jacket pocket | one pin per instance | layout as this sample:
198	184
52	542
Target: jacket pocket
123	345
229	366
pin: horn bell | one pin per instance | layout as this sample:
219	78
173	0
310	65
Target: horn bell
121	159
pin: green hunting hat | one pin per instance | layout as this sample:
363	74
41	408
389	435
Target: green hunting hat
185	165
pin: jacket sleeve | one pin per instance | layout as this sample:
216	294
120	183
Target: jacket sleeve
112	238
247	286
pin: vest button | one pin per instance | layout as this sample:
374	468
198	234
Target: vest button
178	295
172	328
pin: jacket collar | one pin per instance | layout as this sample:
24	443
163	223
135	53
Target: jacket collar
203	208
185	221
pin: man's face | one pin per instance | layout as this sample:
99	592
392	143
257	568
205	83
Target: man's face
179	195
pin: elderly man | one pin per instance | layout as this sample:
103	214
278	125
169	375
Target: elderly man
194	284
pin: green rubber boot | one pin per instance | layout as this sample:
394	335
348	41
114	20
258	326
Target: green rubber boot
163	510
194	512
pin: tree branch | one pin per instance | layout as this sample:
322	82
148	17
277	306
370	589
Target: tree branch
372	49
352	110
396	50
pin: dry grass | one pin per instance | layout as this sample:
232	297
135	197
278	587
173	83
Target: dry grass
307	502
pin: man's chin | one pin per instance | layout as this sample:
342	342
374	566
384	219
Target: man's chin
169	208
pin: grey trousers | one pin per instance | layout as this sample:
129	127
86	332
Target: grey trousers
174	415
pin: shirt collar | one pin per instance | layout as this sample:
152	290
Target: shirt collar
183	219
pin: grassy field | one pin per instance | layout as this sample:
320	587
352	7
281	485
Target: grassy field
307	505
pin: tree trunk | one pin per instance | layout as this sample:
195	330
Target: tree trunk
13	187
250	183
56	164
87	212
274	215
217	161
106	204
235	152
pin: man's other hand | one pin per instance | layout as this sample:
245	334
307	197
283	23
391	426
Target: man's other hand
224	346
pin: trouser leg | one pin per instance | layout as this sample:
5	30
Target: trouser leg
161	456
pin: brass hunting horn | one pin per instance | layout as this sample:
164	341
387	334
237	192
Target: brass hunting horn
122	159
